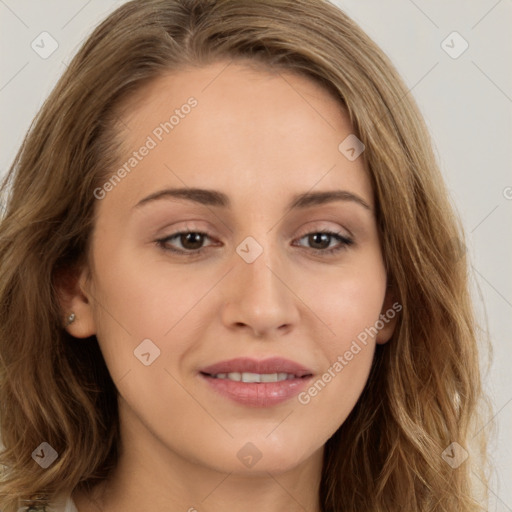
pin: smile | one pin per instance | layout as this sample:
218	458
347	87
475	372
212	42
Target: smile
255	377
256	383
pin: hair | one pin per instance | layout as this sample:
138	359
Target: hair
424	390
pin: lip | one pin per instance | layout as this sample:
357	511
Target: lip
257	394
247	364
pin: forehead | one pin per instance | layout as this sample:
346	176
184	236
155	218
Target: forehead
253	130
223	75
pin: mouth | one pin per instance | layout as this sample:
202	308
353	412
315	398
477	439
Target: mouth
255	377
257	383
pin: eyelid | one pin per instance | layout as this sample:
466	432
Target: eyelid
317	227
321	226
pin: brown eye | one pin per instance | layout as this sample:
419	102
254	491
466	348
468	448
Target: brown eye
191	242
320	240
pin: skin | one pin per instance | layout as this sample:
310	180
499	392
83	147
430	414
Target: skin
181	439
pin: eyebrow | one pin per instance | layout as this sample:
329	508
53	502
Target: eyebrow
219	199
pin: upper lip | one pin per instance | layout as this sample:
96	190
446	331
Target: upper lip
248	365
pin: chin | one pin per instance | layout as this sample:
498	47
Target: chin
261	456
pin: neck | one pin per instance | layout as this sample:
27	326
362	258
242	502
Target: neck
151	476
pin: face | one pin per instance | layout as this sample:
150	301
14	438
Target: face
238	320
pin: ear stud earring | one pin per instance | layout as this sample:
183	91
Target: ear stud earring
71	318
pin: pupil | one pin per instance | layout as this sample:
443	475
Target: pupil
320	235
189	237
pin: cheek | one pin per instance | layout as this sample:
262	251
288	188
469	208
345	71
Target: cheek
137	299
350	306
125	305
353	306
349	302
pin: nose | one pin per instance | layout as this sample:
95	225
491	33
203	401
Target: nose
260	297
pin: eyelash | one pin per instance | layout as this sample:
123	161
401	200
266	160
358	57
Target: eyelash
162	243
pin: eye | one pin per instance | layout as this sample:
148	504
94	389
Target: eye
192	242
323	238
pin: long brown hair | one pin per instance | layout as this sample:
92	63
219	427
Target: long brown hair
424	390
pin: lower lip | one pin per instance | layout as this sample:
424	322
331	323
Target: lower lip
258	394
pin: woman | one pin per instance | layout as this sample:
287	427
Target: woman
313	349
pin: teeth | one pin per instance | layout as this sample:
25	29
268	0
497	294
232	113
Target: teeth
251	377
255	377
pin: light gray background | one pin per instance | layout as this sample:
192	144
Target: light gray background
467	103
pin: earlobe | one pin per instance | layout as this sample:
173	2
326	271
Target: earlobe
388	317
77	312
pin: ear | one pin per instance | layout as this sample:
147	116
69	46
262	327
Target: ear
388	316
71	286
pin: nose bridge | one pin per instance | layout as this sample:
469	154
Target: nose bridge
257	265
259	297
